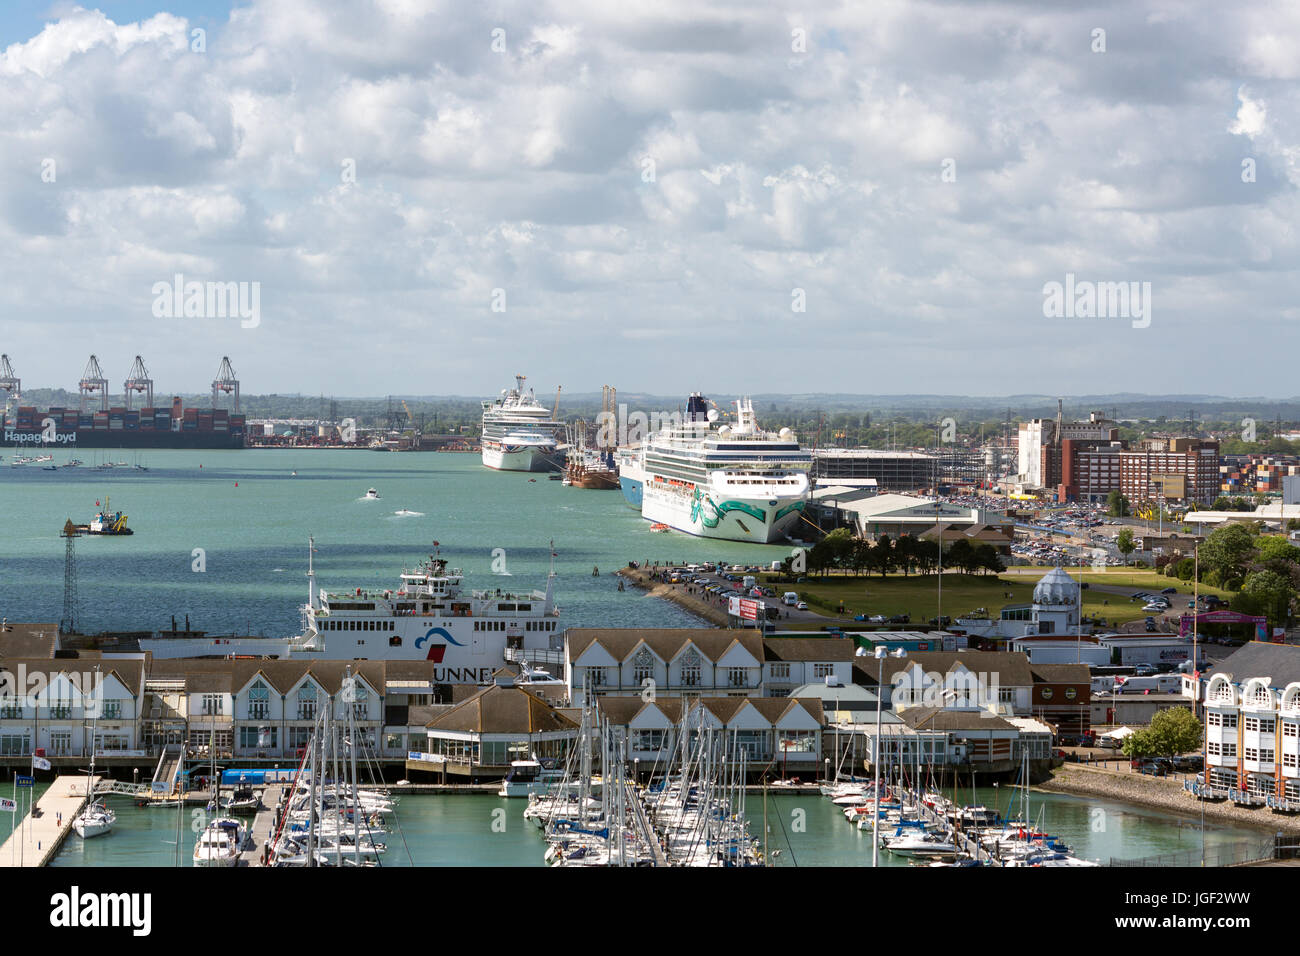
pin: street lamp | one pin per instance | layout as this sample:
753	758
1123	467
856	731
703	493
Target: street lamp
881	652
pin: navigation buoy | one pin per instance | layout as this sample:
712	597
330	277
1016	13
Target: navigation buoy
236	484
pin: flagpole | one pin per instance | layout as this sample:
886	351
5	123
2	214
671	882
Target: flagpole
13	824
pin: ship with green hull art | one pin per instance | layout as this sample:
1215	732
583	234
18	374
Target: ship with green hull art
728	480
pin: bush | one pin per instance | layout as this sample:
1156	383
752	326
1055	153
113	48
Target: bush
1214	579
1232	584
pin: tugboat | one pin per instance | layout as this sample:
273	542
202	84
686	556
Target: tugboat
108	522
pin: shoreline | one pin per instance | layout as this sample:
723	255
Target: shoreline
639	577
1158	793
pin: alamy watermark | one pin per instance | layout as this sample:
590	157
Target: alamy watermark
1084	299
208	300
21	687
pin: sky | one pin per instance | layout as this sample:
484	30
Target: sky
428	198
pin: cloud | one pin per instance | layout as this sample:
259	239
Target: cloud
648	184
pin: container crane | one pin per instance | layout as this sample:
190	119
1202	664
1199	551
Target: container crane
10	382
93	380
138	380
225	382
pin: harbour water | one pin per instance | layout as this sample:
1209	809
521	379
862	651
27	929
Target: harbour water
461	829
251	516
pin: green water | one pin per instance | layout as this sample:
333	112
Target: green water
251	517
481	830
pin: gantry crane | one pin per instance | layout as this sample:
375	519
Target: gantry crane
10	382
138	380
93	380
225	382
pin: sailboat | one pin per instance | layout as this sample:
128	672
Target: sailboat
96	818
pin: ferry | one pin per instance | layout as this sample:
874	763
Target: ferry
733	482
426	615
519	433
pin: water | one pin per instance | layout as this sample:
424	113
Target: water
1094	829
251	517
483	830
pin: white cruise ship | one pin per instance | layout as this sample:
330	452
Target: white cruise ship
519	433
425	616
734	482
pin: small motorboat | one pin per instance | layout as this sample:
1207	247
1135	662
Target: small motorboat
220	843
244	800
372	495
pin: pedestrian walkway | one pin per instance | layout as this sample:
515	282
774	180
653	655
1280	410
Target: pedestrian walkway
39	835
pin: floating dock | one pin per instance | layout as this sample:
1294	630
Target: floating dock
39	835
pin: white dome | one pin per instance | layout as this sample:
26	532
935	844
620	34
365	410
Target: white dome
1056	588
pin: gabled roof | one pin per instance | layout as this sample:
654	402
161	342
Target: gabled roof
723	708
1061	673
808	649
1260	659
1012	667
667	643
29	640
939	718
128	672
503	710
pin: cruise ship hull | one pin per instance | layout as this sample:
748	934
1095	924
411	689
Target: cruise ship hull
729	518
512	457
632	490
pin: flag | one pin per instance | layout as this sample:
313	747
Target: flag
7	805
40	763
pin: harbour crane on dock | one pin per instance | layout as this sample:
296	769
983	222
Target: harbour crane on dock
138	380
10	382
93	380
225	382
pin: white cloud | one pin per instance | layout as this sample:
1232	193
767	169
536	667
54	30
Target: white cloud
523	170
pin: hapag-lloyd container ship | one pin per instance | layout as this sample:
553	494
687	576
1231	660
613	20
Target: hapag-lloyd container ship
121	426
174	427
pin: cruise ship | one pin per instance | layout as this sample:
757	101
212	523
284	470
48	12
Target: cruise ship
426	615
519	433
734	482
630	460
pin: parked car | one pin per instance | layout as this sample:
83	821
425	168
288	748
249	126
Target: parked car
1169	591
1144	670
803	606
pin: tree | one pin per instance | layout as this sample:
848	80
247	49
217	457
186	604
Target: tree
959	555
1175	731
883	555
1228	550
1117	505
1124	542
1273	594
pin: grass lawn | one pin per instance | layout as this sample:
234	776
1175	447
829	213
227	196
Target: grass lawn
1124	577
916	595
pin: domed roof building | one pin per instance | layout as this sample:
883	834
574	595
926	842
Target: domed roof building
1056	603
